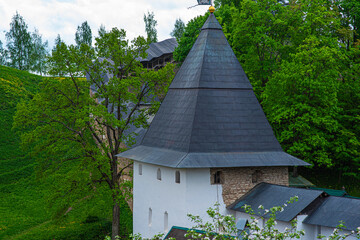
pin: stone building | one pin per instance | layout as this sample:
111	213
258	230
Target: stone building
209	142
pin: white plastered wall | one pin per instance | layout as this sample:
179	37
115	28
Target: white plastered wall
194	194
311	231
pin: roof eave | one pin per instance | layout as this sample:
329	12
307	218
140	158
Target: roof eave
177	159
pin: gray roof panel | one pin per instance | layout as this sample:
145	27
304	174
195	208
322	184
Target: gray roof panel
158	49
270	195
211	63
334	210
180	159
211	23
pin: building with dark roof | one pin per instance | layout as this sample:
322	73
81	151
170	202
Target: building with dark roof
160	53
316	211
209	142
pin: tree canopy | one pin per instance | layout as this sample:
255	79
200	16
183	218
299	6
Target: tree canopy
19	43
83	34
188	38
3	54
178	30
84	123
302	58
150	27
25	50
39	53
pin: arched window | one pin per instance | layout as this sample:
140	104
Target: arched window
177	176
166	220
140	169
158	175
217	177
150	217
256	176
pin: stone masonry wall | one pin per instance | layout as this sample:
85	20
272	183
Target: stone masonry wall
238	181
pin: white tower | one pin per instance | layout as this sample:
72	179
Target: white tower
209	142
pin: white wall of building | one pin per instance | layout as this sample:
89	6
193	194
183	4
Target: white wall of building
194	194
170	202
311	231
327	231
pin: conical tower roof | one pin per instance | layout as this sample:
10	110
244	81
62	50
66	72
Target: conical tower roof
210	116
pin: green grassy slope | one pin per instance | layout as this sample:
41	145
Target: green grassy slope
24	212
15	168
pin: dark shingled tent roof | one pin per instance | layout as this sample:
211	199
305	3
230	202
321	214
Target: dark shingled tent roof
210	117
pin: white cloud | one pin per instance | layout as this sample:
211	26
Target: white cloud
62	17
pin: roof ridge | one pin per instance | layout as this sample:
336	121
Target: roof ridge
197	95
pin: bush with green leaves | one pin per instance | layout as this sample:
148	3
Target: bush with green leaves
224	226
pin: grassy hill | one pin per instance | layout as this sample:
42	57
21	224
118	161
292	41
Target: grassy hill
24	207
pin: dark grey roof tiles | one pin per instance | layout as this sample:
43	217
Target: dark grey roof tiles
210	117
211	63
158	49
334	210
323	210
211	120
269	195
211	23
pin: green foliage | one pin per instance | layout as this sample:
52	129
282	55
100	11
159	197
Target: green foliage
3	54
178	30
83	34
224	226
189	37
101	30
260	35
25	209
351	11
39	53
19	43
73	137
301	102
57	41
150	27
223	3
26	51
302	61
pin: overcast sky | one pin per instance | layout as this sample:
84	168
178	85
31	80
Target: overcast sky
52	17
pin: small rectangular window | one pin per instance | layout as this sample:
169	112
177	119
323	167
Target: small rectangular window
158	175
166	220
140	169
177	176
150	217
217	178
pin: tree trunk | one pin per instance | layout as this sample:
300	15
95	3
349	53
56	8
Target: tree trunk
116	220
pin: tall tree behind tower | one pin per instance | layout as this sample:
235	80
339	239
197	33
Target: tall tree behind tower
102	30
178	30
150	24
38	53
3	54
19	43
83	34
58	41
